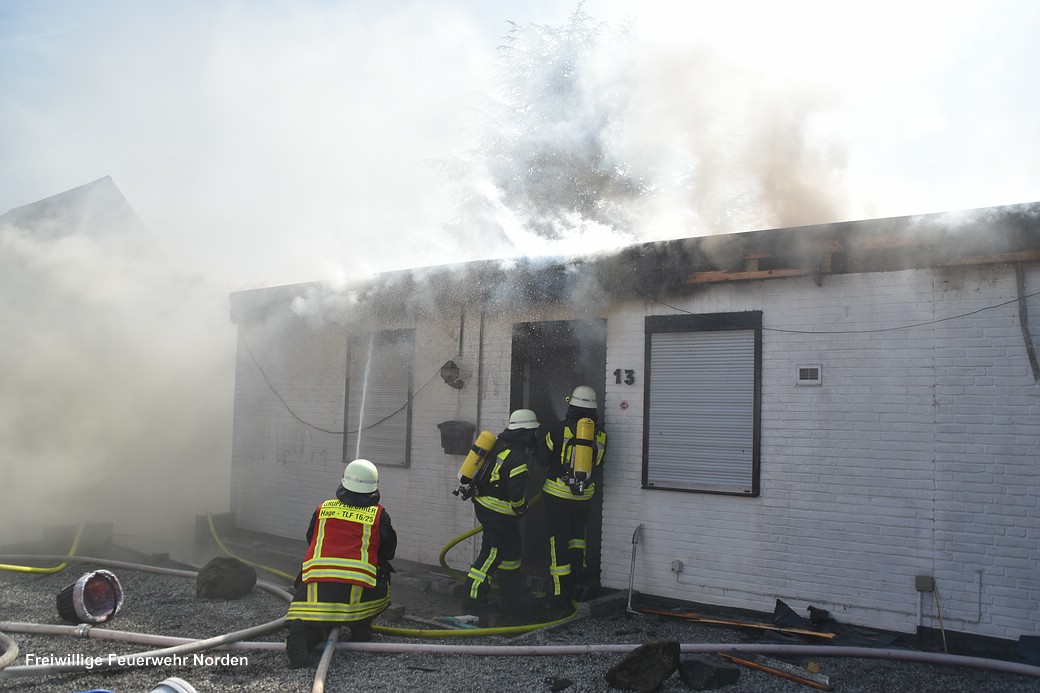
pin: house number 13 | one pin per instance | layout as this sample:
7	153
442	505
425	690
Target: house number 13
630	376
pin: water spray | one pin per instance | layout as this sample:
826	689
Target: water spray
364	395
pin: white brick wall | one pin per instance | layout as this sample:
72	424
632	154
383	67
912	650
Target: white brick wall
419	498
281	468
916	455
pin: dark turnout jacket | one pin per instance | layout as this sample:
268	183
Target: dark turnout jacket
505	485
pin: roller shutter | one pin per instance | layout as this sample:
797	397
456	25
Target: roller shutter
701	412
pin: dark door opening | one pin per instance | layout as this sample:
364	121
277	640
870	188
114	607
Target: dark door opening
549	360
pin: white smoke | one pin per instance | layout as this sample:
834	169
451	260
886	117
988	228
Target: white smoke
118	387
276	143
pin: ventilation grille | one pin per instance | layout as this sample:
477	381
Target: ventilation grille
810	375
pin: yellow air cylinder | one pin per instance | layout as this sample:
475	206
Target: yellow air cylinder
477	454
583	451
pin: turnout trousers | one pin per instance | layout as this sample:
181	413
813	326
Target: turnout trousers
567	520
501	550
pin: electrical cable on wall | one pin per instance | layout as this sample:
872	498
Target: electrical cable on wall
285	404
730	323
252	356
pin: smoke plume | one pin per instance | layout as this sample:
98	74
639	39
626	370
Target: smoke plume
118	381
598	137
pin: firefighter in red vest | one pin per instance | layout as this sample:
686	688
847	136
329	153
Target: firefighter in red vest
345	579
571	450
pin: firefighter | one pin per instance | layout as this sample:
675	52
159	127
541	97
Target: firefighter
570	449
345	577
499	502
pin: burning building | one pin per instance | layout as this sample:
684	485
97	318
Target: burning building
845	416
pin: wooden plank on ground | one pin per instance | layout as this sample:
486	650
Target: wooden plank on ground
778	668
699	618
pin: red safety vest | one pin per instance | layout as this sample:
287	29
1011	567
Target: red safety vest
345	544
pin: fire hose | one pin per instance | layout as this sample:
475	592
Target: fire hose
236	640
184	646
226	550
937	658
10	650
176	646
326	661
54	569
140	658
181	646
458	575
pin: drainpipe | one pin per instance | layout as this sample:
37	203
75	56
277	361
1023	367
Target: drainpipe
480	367
1023	321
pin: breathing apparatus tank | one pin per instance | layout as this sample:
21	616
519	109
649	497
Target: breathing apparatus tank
473	463
582	454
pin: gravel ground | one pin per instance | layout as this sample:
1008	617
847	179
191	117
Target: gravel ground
166	605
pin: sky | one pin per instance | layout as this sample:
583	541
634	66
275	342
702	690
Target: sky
274	142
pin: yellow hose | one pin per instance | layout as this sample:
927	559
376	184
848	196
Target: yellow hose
273	571
461	576
443	558
406	632
54	569
471	632
419	632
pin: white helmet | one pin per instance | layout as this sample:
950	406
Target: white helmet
361	476
522	418
584	397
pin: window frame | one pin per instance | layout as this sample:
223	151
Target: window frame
359	349
692	323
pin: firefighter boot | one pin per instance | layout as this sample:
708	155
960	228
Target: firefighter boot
296	645
511	593
475	597
361	631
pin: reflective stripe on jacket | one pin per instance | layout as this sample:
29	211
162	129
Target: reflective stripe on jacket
560	469
504	491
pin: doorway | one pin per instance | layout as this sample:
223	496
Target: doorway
549	359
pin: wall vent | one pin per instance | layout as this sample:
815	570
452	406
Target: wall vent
810	375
